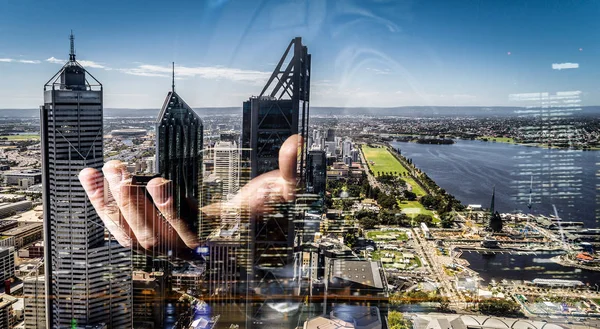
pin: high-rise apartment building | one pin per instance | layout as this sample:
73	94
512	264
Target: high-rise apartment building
88	278
179	138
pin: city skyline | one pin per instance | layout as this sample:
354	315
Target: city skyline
368	53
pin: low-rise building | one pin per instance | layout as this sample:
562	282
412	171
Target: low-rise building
25	235
11	208
7	314
32	177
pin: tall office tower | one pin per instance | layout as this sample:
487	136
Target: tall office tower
179	133
354	154
346	148
279	111
227	237
316	172
330	137
227	167
88	278
34	302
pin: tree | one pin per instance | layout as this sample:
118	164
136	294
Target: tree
444	305
496	222
427	219
368	223
499	307
350	239
367	219
447	221
410	196
387	201
397	321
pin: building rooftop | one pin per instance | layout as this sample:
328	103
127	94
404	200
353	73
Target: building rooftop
22	229
321	322
455	321
362	317
362	272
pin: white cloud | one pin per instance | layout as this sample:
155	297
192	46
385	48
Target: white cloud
29	61
55	60
91	64
83	62
564	66
378	71
207	72
24	61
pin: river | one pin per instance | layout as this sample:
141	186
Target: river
470	169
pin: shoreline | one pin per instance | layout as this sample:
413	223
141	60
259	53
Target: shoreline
560	261
481	139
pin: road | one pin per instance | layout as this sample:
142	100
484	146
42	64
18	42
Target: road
428	251
372	181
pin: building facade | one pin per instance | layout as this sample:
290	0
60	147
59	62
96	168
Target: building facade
88	278
35	302
316	172
278	112
179	138
7	263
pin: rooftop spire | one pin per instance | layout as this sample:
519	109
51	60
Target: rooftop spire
173	81
72	54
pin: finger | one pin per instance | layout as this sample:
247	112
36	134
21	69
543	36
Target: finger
93	184
116	173
288	158
161	191
133	204
261	193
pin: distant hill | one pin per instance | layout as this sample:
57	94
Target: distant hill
408	111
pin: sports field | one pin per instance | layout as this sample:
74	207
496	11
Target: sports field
380	160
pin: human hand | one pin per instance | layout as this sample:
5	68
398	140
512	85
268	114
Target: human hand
137	221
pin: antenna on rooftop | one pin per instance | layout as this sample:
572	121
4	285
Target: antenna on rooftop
72	54
173	83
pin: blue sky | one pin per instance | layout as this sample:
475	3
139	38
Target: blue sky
364	53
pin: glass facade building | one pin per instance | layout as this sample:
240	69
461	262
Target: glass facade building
88	278
179	138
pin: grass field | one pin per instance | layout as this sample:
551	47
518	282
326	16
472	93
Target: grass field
508	140
381	160
20	137
377	255
414	208
373	234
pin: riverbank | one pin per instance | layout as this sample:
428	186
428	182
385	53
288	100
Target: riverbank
560	259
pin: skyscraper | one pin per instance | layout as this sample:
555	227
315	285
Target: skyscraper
88	278
316	172
279	111
179	138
